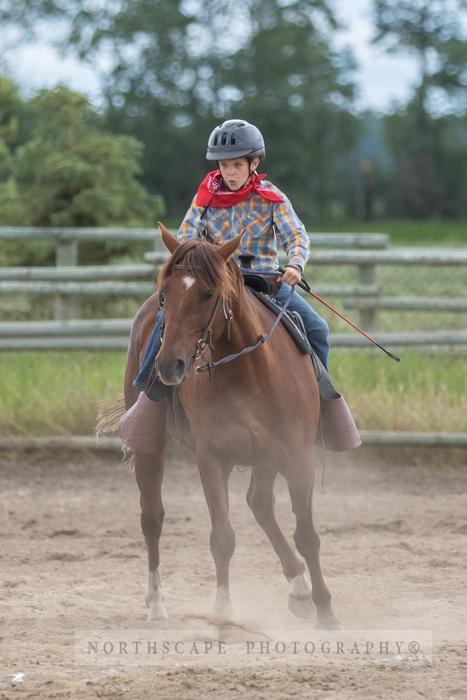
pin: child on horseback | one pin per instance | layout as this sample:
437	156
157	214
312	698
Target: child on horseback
232	199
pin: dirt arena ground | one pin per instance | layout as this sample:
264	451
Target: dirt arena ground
393	553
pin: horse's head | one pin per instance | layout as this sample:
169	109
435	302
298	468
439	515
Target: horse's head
196	286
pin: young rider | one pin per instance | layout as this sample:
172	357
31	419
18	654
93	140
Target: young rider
234	198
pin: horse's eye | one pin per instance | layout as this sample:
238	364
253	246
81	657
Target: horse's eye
161	298
205	296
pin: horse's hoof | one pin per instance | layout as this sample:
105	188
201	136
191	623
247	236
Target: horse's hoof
222	614
330	626
157	613
301	607
222	610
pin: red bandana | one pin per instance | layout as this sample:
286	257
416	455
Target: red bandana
211	192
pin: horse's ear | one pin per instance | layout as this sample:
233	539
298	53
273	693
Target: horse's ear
170	242
226	250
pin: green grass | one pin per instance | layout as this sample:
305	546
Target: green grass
422	392
56	393
442	233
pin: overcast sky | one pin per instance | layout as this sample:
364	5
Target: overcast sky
381	79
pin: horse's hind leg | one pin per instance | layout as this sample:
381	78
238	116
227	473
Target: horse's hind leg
149	470
308	543
260	498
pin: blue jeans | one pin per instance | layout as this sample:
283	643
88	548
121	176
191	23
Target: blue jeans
317	331
151	351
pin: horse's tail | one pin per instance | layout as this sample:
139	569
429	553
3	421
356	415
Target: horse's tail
109	412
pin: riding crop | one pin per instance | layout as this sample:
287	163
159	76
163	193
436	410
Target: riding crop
306	287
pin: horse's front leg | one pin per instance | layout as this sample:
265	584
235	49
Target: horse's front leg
149	471
214	478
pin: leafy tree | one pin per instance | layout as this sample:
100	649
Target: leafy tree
292	84
72	173
12	210
419	133
412	191
178	68
432	30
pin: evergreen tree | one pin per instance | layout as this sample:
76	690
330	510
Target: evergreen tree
72	173
179	68
12	210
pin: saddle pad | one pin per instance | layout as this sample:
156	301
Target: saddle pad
294	325
288	320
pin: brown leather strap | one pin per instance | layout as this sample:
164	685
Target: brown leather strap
250	348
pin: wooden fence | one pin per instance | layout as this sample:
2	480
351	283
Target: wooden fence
67	282
72	282
370	438
367	263
112	334
62	281
64	237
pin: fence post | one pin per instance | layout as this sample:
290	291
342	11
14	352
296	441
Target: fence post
367	276
66	253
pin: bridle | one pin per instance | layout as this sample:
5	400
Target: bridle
263	338
206	339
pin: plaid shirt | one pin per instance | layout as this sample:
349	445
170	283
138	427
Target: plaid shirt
265	223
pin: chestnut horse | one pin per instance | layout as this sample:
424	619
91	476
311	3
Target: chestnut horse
260	410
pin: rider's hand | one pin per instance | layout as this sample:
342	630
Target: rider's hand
291	276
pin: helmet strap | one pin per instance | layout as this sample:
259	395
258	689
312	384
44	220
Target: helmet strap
245	183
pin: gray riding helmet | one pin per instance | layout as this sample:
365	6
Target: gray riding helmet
235	138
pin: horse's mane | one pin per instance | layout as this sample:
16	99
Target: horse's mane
202	261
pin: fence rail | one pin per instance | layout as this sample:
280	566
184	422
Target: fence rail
72	273
370	438
67	240
77	289
371	258
152	235
143	289
113	335
400	303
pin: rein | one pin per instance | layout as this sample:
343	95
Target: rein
250	348
206	337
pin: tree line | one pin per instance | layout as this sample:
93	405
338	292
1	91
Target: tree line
178	68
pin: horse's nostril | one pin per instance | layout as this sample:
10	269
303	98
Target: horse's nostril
172	372
180	367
